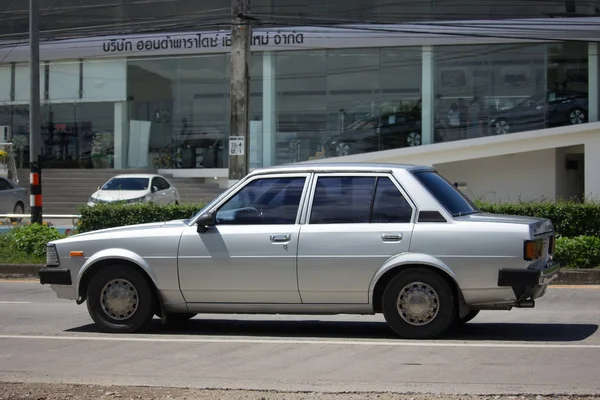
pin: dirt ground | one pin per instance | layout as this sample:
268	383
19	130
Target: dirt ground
44	391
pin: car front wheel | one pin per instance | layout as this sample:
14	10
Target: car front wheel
419	304
120	300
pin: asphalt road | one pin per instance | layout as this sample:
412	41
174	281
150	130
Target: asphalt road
552	349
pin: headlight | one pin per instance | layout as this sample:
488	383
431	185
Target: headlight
138	200
52	259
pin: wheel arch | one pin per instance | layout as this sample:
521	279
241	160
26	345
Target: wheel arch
388	272
108	257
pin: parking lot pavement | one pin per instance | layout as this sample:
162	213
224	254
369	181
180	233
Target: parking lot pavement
554	348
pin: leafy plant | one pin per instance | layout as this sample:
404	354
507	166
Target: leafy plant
578	252
31	239
102	216
570	219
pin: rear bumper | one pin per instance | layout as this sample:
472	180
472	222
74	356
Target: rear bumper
539	276
531	283
55	276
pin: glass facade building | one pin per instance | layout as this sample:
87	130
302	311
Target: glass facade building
161	100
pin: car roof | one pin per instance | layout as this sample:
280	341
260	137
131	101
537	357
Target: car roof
339	167
136	176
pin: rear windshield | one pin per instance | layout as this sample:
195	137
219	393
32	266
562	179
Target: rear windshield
449	197
127	184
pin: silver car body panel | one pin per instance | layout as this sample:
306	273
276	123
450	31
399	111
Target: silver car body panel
305	268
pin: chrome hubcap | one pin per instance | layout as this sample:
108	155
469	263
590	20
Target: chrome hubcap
413	139
502	127
119	299
577	117
418	304
342	149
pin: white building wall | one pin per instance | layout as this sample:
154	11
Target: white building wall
517	177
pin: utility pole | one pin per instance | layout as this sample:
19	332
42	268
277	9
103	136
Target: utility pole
239	90
35	176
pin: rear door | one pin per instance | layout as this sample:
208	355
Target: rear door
355	223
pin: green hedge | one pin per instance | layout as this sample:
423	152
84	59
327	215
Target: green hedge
30	240
578	225
578	252
103	216
570	219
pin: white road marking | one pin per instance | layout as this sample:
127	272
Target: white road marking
15	302
394	343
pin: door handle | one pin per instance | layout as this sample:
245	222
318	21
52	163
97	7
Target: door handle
391	237
280	238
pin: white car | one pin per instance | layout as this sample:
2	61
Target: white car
136	188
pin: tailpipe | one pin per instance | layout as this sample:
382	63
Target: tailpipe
525	304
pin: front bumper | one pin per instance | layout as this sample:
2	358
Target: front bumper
55	276
538	276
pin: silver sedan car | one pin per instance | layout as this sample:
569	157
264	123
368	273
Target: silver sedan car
314	239
13	198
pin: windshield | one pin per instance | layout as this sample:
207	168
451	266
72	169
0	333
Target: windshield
449	197
127	184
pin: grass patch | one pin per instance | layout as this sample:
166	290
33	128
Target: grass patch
10	256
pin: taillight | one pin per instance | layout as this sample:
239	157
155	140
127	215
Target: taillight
533	250
552	245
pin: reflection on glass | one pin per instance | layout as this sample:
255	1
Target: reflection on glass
501	89
350	101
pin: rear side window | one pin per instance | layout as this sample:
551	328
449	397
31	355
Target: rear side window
446	194
358	199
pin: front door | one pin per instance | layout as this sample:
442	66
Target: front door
250	255
355	224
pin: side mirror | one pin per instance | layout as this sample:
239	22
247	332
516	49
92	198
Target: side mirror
154	189
205	221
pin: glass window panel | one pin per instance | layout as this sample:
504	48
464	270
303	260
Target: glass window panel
272	201
389	205
63	81
105	80
23	80
342	200
5	83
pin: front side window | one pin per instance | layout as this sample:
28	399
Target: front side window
355	200
269	201
446	194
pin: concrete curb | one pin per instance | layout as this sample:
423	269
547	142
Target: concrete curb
566	277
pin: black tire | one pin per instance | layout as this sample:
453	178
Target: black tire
501	127
145	300
18	209
413	139
577	116
442	302
467	318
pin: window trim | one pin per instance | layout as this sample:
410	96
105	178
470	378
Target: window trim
307	175
305	220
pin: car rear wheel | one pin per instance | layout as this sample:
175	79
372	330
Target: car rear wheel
343	149
19	209
413	139
501	127
577	116
419	304
120	300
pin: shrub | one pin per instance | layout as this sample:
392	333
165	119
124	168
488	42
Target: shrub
570	219
31	239
104	216
578	252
